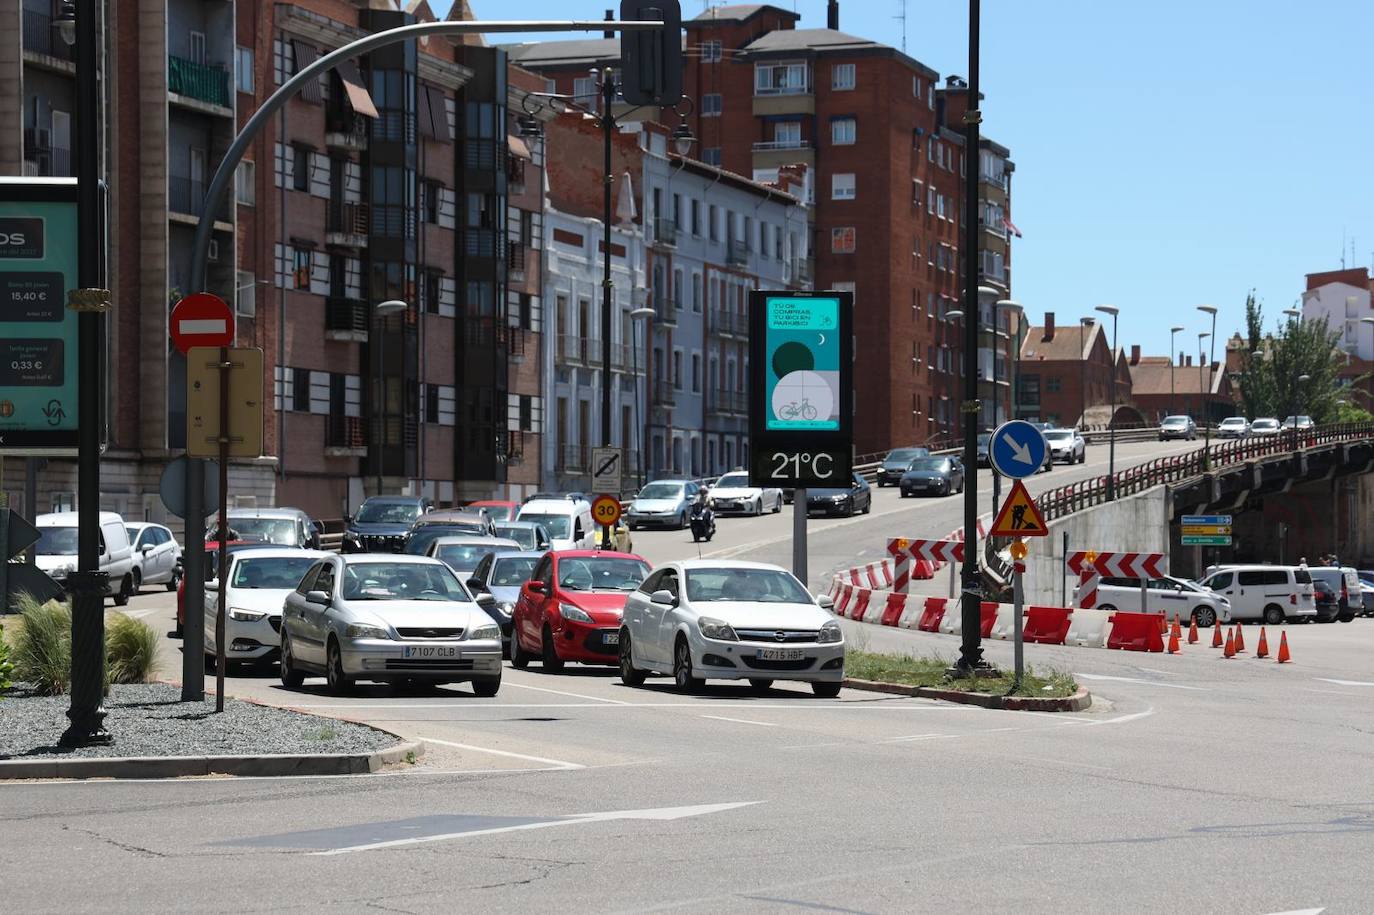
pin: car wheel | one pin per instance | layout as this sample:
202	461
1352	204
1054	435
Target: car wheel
1273	615
551	661
487	688
849	510
175	581
777	504
121	597
629	674
682	668
760	686
340	684
291	676
138	580
1108	608
682	521
1205	617
518	658
826	690
1347	617
868	506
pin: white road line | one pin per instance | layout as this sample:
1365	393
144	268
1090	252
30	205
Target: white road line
559	692
556	763
803	704
1302	912
1123	719
1196	689
762	724
1343	682
917	737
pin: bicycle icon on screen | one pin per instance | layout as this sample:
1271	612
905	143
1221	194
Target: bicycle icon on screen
798	409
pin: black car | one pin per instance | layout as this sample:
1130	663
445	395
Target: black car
1328	602
857	499
895	464
382	523
937	476
983	439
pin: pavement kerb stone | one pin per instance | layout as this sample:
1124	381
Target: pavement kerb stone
1075	703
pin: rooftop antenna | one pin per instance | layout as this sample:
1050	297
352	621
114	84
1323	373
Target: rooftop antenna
901	17
1342	249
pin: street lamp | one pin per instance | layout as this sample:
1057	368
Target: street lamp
1083	325
1111	423
65	24
1201	384
1172	351
1008	305
1293	313
1211	354
644	314
381	310
1014	307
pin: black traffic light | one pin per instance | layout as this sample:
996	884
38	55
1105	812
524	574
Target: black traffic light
651	59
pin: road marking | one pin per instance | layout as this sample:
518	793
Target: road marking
762	724
918	737
559	692
556	763
1123	719
1343	682
1197	689
1301	912
802	704
658	813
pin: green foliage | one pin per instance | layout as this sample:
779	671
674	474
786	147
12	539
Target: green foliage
43	651
1274	363
1347	412
6	666
131	649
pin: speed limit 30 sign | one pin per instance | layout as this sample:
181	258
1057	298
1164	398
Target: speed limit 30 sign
606	510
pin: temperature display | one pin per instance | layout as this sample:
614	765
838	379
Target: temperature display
812	467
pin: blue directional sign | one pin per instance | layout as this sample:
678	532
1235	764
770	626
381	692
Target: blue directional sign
1192	520
1017	449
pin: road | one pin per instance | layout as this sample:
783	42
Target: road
1193	784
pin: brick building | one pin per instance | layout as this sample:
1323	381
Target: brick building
1160	387
1064	374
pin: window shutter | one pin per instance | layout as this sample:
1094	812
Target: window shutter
319	272
353	182
319	175
353	278
307	54
448	207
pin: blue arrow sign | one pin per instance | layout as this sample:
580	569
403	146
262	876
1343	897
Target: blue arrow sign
1017	449
1192	520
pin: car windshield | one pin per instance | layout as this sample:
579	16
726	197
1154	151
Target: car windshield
463	556
388	512
930	464
279	573
733	481
266	530
1059	436
1233	421
417	544
601	573
1264	424
905	454
523	534
401	581
1175	420
661	491
497	512
559	526
512	572
984	438
56	541
768	586
132	533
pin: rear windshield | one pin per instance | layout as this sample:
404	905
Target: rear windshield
1302	576
906	454
56	541
930	464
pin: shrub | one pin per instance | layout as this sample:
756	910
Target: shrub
6	667
131	647
43	651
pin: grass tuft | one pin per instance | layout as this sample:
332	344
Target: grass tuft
43	649
131	648
930	671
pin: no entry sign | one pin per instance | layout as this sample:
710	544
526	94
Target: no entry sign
201	319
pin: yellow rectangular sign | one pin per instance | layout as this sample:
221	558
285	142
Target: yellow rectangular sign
1207	530
245	402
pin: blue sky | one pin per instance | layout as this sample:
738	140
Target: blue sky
1168	154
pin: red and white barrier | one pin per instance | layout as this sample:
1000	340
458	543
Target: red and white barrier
924	556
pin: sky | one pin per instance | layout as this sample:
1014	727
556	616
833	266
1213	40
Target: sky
1168	154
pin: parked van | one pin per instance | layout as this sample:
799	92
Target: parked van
1261	592
1168	595
568	521
57	547
1345	581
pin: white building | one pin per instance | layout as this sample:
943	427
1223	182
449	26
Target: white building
1343	305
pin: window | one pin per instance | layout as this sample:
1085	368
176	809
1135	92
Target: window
196	43
696	292
781	79
1052	384
695	206
300	269
711	155
245	183
429	201
677	369
245	294
843	131
300	168
1029	394
677	289
710	52
696	373
787	134
710	105
283	60
243	69
930	96
842	186
585	91
916	86
930	149
842	240
842	77
712	216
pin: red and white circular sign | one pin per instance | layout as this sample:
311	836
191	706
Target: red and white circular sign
201	319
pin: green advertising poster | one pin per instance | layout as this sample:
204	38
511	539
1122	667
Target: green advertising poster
38	345
802	391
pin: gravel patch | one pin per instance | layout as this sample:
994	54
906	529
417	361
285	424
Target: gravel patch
149	719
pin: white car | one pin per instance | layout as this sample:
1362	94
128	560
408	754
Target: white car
391	618
156	555
1233	427
56	551
1066	445
703	619
1266	426
568	521
1273	594
259	581
1174	597
732	493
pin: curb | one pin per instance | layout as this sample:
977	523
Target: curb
1075	703
269	765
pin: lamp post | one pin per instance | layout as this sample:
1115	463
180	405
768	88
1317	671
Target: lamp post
1201	384
1010	306
1172	353
1207	388
381	311
1111	423
1293	313
642	315
1083	325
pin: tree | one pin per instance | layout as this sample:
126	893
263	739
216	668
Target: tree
1274	364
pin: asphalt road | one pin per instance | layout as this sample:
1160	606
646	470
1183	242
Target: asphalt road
1194	784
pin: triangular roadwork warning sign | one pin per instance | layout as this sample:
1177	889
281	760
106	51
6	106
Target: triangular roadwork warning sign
1020	516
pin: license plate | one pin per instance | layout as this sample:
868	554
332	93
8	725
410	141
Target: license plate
611	638
781	654
430	651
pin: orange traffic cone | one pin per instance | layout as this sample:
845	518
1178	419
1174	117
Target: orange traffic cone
1230	646
1173	640
1163	625
1192	631
1283	648
1240	639
1262	650
1216	634
1177	631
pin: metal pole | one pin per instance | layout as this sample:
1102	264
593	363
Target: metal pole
1064	572
193	600
1111	422
1018	603
607	288
996	477
1207	425
799	535
379	386
1172	353
221	661
30	500
971	649
87	586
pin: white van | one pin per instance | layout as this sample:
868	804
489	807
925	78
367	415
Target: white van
1345	582
1262	592
568	521
57	543
1168	595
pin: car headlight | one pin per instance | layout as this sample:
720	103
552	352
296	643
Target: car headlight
361	631
839	498
505	608
720	630
484	632
245	616
575	614
830	632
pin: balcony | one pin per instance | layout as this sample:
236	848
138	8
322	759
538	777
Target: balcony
348	225
665	312
803	271
573	458
995	229
624	358
202	82
40	38
186	197
578	350
777	153
345	436
346	133
515	260
729	324
770	145
728	403
665	394
345	319
665	232
737	253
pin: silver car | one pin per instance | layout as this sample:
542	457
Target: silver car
530	535
502	575
388	618
462	553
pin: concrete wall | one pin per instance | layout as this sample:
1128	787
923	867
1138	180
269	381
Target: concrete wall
1139	524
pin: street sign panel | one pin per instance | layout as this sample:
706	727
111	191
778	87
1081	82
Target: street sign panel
201	319
606	470
801	388
606	510
172	486
1206	541
1118	564
1020	516
38	347
1206	530
1017	449
245	402
1205	519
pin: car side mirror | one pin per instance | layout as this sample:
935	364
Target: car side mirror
318	526
475	585
146	548
347	520
825	602
536	587
663	598
317	597
484	600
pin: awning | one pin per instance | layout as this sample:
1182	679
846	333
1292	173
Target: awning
307	54
438	110
518	147
358	98
424	117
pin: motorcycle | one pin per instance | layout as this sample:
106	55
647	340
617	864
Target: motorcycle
703	522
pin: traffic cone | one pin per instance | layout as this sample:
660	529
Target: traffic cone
1192	631
1262	650
1173	639
1177	631
1216	634
1240	639
1283	657
1230	646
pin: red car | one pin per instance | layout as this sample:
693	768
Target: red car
570	608
497	509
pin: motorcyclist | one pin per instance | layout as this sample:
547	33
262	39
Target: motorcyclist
703	519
